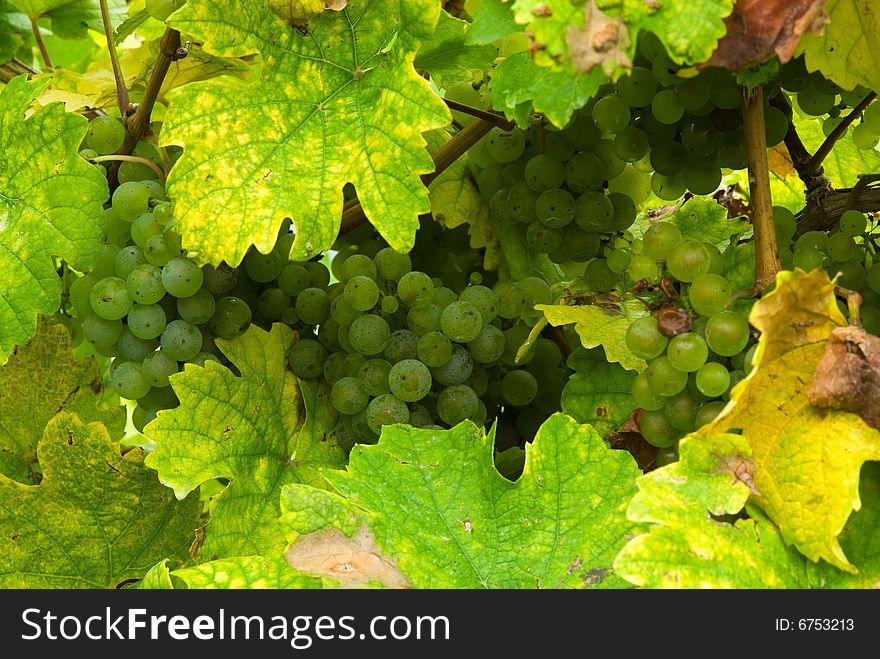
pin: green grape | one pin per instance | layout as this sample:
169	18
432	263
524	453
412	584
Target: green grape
373	376
664	378
162	212
146	321
814	239
864	138
130	200
631	144
101	332
105	135
579	245
306	358
594	212
611	113
488	346
808	259
785	223
643	267
687	351
544	172
129	381
232	316
853	223
313	306
775	125
656	428
702	176
369	334
402	344
618	260
644	396
182	277
357	264
688	260
681	410
637	88
556	145
604	150
415	289
709	294
699	136
293	279
361	292
814	101
708	412
842	247
144	228
555	208
181	340
599	277
484	299
505	146
461	322
263	268
624	211
319	275
157	250
535	291
692	93
133	348
409	380
668	158
273	303
871	117
542	239
660	240
384	410
199	308
668	188
727	333
457	370
644	339
519	388
80	295
852	274
456	404
713	379
873	278
347	396
145	285
434	348
392	265
126	260
421	320
110	298
583	172
158	366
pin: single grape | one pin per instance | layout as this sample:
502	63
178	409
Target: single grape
656	428
199	308
105	135
709	294
306	358
369	334
660	239
373	376
232	316
457	403
727	333
384	410
688	351
158	366
347	396
519	388
110	298
129	381
688	260
145	285
664	378
409	380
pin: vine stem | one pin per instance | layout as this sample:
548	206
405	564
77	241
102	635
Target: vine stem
353	213
121	90
761	201
139	123
14	68
44	52
122	157
816	161
492	117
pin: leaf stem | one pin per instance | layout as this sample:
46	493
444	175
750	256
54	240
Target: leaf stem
761	202
44	52
126	158
816	161
121	90
353	213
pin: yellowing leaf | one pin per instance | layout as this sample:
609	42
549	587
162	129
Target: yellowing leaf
97	519
339	104
807	459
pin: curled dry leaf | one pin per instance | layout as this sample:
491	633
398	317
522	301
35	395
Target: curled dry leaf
601	42
353	562
848	375
756	29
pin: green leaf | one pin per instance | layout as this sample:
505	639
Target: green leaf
97	519
455	197
690	29
520	260
437	507
492	20
739	265
550	22
602	324
74	19
598	393
245	572
690	549
807	459
846	50
448	57
340	104
50	206
41	379
36	8
157	577
248	429
702	218
846	161
519	83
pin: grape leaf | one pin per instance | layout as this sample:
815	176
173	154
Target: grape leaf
455	198
448	57
98	518
249	429
807	458
845	161
49	199
240	572
739	265
437	493
603	324
41	379
703	218
74	19
690	549
846	51
339	104
519	85
598	393
492	20
36	8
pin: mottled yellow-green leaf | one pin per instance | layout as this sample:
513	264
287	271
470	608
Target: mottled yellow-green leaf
339	104
598	393
846	49
807	459
703	218
602	324
245	572
97	519
846	161
448	57
697	541
157	577
248	429
439	509
296	12
49	201
41	379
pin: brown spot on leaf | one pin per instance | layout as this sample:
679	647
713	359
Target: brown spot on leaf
601	42
848	375
542	11
595	575
353	561
601	411
197	543
758	29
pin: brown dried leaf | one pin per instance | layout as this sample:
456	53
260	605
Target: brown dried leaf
848	375
353	562
756	29
601	42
